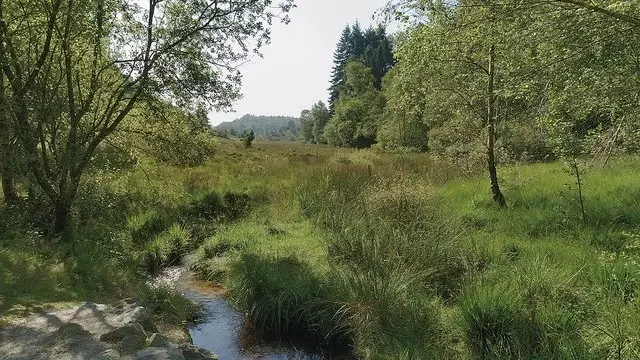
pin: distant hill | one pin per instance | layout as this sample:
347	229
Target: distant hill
266	127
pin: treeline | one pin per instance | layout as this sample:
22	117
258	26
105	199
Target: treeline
81	81
361	61
272	128
492	82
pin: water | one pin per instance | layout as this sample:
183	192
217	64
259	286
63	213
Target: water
221	329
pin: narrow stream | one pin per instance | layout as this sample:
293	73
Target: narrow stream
221	329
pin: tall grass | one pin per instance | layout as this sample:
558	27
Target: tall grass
387	256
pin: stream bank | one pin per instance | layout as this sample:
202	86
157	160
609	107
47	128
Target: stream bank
224	330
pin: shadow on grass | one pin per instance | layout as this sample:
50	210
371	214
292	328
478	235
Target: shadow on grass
28	280
288	303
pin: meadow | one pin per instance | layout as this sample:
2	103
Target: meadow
365	253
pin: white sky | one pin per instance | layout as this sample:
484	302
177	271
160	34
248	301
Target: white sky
295	71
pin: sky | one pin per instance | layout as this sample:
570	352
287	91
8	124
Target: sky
295	70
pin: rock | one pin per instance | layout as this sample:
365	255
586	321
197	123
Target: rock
110	354
120	333
71	331
155	353
191	352
124	303
132	343
140	315
159	340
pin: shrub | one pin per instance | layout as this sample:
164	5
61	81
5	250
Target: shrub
496	325
286	300
169	306
166	248
144	227
237	204
208	206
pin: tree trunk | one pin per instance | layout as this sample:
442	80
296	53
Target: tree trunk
6	169
491	133
61	216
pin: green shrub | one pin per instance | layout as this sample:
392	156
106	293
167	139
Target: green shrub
144	227
169	305
208	206
386	316
166	249
373	222
237	204
286	300
497	326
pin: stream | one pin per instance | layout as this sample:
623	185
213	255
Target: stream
220	331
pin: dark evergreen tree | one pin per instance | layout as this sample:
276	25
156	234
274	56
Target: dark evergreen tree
248	139
378	54
371	47
340	57
358	42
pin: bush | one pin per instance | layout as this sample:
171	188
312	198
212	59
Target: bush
209	206
496	325
144	227
286	300
372	221
236	204
166	249
169	306
389	265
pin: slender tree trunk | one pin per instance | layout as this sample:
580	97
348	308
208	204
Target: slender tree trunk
491	133
6	169
63	203
61	214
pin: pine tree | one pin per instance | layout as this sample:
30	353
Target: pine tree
378	54
371	47
340	57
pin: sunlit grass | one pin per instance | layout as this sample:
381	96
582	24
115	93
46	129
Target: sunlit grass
389	256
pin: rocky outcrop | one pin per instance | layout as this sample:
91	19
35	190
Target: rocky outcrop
93	331
157	353
114	336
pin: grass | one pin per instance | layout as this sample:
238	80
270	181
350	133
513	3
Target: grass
408	258
365	253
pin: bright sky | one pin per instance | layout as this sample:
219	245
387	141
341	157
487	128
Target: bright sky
295	71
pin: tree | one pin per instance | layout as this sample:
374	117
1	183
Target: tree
94	60
175	136
6	156
248	138
625	11
405	123
306	126
371	47
355	121
341	56
321	116
469	59
378	54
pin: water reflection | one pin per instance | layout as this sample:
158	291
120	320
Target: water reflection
220	330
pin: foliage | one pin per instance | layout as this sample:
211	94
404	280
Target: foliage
313	123
247	138
76	72
268	127
404	125
371	47
356	117
167	133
